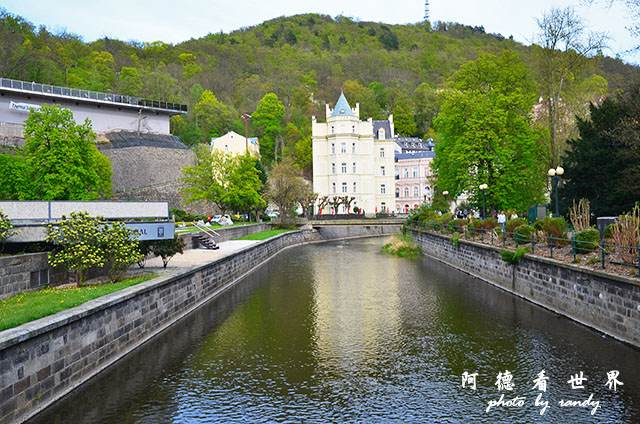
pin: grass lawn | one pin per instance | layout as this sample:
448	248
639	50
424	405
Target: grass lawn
263	235
184	230
25	307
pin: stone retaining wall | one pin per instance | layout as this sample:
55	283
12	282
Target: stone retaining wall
608	303
22	273
228	233
43	360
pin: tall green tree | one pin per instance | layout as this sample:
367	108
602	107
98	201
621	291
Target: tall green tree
268	119
62	161
485	135
603	164
243	189
285	187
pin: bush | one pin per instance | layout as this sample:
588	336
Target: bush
587	241
120	247
556	227
522	235
511	225
608	231
168	248
457	225
512	257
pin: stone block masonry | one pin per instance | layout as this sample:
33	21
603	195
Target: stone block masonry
22	273
608	303
43	360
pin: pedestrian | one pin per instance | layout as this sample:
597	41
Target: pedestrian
502	219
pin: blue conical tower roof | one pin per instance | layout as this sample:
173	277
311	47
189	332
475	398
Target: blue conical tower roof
342	107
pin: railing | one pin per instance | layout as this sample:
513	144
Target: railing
207	231
90	95
578	251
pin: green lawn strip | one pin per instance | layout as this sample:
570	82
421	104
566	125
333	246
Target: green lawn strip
263	235
26	307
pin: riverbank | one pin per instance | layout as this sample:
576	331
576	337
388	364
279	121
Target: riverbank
605	302
44	360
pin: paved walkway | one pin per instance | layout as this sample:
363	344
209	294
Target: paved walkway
195	257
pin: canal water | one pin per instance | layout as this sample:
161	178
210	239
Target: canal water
339	332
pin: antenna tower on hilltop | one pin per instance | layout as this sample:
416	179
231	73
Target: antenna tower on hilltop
426	10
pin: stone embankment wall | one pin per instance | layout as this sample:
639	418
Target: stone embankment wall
228	233
22	273
605	302
43	360
329	232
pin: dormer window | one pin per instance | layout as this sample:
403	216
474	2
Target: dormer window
381	135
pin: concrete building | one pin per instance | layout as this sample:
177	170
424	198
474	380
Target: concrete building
107	111
236	144
413	179
354	158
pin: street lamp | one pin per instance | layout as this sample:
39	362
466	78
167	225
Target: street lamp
484	188
446	195
246	118
556	174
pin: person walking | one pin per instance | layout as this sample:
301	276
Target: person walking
502	219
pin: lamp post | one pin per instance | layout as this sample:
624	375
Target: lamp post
484	188
556	174
246	118
446	195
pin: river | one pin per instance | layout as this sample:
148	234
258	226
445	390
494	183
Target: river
339	332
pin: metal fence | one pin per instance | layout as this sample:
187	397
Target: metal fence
541	245
90	95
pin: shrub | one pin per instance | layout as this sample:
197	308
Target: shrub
120	247
608	231
556	227
5	228
457	225
511	225
489	223
168	248
522	235
455	239
587	240
402	245
626	233
145	247
512	257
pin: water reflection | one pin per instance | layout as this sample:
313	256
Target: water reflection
338	332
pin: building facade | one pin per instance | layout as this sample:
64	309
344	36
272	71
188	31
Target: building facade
413	180
236	144
348	160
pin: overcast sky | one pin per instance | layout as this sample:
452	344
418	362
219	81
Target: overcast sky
172	21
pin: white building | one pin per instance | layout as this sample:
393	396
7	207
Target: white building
236	144
349	161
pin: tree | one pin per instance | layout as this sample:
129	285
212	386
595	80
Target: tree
62	161
563	49
208	179
284	188
485	135
268	119
243	186
13	176
602	164
214	118
120	247
168	248
5	229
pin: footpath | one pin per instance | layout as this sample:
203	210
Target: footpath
193	257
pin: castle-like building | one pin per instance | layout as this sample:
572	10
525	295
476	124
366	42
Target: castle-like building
352	158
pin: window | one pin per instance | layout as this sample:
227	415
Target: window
333	148
343	147
382	189
406	173
406	192
333	168
382	171
416	191
381	134
427	190
353	129
382	152
353	147
333	187
397	192
354	188
226	147
383	207
354	167
333	129
344	168
415	172
344	187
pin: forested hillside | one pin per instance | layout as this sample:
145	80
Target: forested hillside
306	60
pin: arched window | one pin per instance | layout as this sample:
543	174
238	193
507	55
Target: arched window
397	192
406	192
381	135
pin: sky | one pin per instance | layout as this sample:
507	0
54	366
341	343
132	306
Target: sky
173	22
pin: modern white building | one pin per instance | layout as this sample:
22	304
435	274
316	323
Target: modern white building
351	158
236	144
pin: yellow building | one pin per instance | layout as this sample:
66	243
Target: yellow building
236	144
349	161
